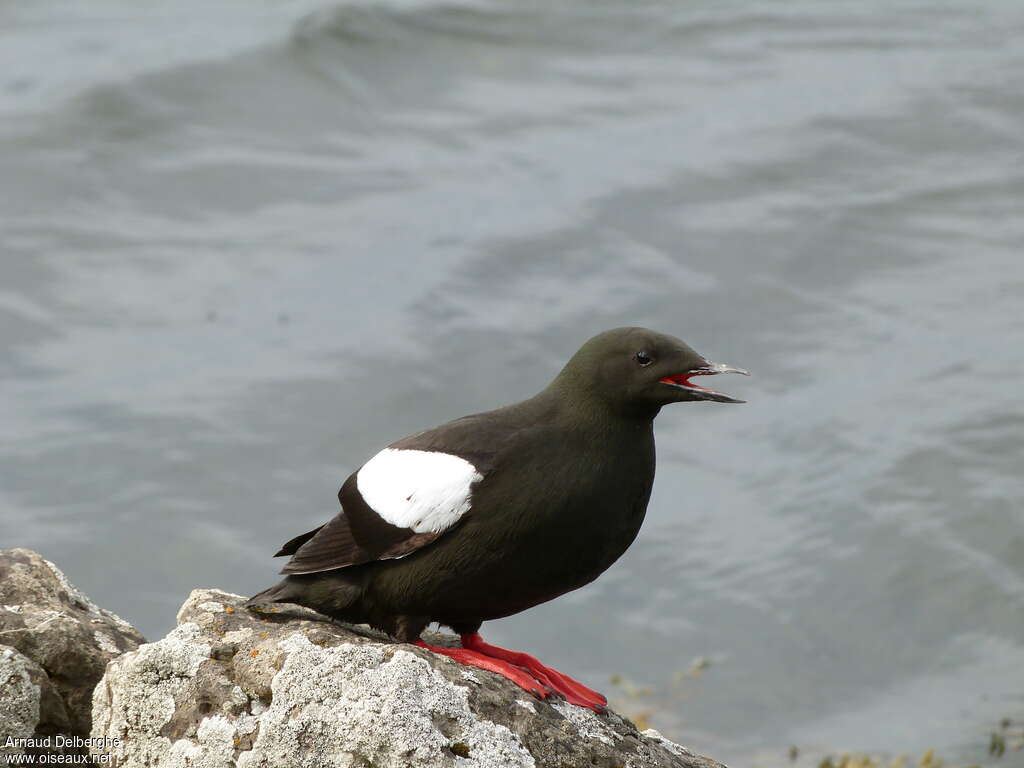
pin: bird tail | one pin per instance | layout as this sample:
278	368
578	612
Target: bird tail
282	592
332	593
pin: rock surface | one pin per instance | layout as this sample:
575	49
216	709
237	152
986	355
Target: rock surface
229	687
54	647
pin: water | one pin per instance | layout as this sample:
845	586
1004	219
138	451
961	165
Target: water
244	247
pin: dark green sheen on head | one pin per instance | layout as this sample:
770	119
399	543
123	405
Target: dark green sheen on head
637	370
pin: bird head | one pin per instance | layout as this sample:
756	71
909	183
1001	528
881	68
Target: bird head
636	369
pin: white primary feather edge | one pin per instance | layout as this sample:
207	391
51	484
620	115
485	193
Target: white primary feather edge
426	491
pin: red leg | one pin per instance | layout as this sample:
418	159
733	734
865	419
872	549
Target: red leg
574	691
472	658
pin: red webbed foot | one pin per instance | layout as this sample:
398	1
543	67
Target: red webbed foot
472	658
574	691
522	669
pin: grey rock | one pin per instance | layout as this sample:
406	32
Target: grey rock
54	647
229	687
19	704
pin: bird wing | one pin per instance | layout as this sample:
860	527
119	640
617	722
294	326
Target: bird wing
291	546
402	499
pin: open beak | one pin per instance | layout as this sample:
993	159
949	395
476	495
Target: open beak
682	381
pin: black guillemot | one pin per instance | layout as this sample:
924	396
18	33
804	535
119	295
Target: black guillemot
494	513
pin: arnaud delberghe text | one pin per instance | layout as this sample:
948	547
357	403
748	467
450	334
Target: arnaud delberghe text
60	742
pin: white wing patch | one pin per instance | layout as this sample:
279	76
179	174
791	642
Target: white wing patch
422	490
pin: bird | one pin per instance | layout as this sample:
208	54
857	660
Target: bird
496	512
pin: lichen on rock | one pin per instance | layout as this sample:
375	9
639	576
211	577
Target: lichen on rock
232	688
229	687
19	704
57	637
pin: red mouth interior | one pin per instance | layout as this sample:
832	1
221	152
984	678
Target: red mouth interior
683	380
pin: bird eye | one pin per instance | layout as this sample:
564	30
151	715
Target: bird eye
644	358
